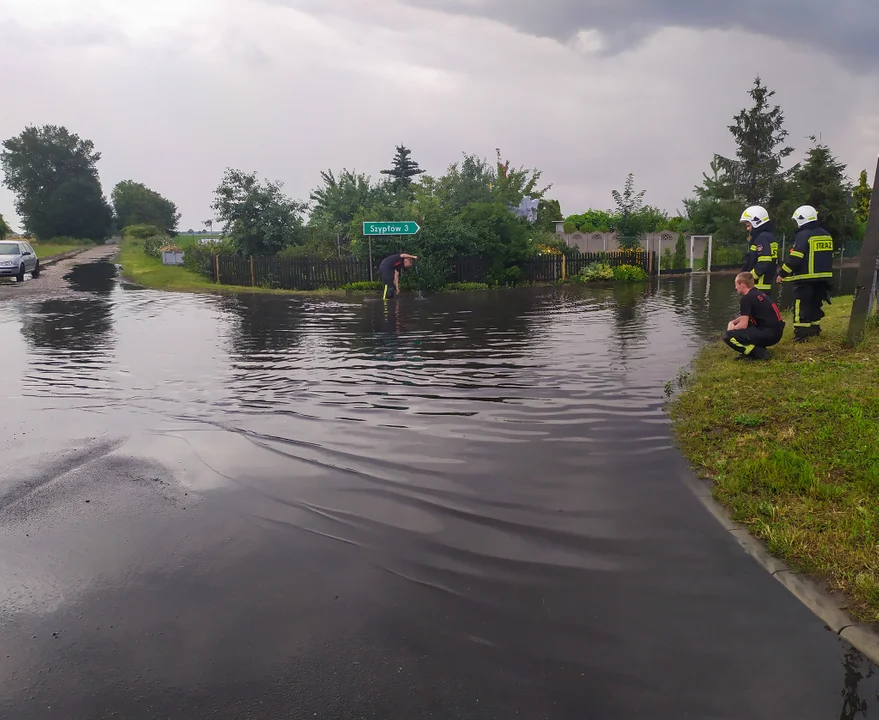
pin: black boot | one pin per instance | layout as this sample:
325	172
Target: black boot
803	334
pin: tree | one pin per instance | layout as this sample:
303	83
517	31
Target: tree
862	194
470	181
629	222
403	169
76	208
716	210
679	261
258	217
136	204
338	201
548	213
5	230
821	182
54	176
511	185
756	172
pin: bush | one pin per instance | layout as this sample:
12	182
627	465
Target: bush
513	275
153	245
721	255
199	258
363	286
679	261
142	232
465	286
629	273
309	251
596	272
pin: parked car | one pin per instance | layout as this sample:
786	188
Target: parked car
18	258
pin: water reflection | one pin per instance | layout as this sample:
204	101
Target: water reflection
96	277
72	345
489	477
857	669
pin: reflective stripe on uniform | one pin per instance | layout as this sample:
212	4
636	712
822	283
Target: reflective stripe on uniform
797	253
765	258
746	349
814	276
818	243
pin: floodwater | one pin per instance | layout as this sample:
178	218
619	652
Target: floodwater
467	506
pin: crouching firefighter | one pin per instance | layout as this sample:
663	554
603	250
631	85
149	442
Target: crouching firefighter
809	268
759	324
761	260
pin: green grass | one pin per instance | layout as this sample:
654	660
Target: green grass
465	287
792	446
142	269
46	250
184	240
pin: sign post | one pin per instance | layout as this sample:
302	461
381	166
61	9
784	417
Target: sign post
406	227
377	229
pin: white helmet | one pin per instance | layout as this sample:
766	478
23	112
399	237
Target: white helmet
755	215
805	214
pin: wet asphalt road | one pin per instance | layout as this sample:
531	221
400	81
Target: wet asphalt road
466	507
51	282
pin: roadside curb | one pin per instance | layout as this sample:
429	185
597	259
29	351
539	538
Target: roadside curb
863	637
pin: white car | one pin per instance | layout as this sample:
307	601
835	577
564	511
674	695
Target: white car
17	259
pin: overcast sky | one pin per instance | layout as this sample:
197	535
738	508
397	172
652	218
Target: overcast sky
174	91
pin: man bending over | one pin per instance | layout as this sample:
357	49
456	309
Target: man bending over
759	324
389	271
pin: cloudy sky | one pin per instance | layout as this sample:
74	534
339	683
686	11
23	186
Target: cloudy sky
174	91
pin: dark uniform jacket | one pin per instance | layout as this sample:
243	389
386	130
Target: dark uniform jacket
811	256
761	259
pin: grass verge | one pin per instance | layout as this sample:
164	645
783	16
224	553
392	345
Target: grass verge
792	446
142	269
149	272
47	250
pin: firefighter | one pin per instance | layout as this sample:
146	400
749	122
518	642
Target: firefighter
759	324
761	259
809	268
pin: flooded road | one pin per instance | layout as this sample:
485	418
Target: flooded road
468	506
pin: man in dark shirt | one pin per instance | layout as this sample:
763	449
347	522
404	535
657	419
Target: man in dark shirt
389	272
759	324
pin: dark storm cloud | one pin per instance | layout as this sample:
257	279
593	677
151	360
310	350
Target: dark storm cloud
848	29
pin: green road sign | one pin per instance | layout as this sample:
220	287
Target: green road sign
408	227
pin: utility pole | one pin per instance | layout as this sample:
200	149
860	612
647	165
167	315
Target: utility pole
865	286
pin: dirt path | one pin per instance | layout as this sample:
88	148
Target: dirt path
51	280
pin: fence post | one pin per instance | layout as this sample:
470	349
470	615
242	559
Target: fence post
564	267
217	267
252	276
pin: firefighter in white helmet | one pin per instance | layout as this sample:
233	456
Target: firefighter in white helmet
809	269
761	260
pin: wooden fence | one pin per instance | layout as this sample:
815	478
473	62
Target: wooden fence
313	274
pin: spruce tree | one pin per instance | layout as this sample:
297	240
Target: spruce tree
756	171
821	182
403	169
862	194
